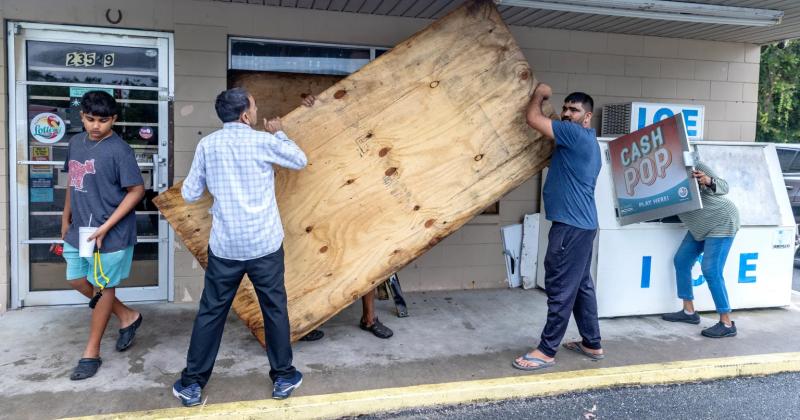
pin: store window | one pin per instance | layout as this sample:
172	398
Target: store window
296	57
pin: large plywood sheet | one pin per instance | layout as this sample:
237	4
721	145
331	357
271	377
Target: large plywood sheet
401	154
279	93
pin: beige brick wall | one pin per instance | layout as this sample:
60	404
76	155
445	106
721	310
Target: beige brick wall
612	68
200	73
722	76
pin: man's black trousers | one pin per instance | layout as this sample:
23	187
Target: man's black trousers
569	287
221	283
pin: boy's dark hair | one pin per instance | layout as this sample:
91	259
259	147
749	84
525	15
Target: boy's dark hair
581	98
231	103
98	103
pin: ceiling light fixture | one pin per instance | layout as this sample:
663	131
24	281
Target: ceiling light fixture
660	10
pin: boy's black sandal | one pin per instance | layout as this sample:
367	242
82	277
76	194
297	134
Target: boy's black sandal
127	334
87	367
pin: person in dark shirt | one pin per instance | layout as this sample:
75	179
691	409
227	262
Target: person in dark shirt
105	184
569	203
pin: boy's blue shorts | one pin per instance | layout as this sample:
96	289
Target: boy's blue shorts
116	266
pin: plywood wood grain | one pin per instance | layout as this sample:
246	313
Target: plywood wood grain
401	154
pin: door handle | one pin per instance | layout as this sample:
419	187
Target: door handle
157	182
41	162
60	163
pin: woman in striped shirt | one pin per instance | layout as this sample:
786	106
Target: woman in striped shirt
710	236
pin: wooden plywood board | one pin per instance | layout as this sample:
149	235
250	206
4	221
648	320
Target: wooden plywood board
401	154
279	93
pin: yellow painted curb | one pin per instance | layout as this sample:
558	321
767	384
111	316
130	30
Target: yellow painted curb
534	385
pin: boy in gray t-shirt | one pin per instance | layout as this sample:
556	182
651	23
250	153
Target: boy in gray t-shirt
105	185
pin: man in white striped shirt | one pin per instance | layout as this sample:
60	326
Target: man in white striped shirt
235	165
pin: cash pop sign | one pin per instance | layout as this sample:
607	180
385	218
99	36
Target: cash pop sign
651	176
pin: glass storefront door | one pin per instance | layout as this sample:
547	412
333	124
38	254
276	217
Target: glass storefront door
51	68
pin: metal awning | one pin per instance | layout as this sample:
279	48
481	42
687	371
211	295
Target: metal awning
789	28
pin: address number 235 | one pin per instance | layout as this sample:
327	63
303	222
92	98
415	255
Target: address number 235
85	59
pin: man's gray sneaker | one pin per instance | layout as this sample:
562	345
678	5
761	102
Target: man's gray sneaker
682	316
189	395
719	330
283	387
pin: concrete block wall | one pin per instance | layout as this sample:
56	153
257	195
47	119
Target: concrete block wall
612	68
201	57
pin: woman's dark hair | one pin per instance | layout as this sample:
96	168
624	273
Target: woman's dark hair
231	103
98	103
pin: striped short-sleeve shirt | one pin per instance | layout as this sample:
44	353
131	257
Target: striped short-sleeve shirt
719	217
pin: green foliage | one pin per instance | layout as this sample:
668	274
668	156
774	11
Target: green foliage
779	94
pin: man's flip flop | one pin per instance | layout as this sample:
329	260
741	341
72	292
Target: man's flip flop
87	367
541	363
578	348
127	334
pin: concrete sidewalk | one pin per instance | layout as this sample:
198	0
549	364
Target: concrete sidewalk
450	336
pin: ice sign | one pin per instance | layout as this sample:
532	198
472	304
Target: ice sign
644	114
